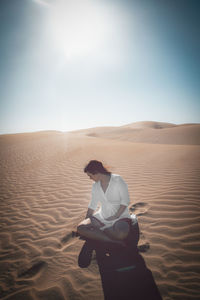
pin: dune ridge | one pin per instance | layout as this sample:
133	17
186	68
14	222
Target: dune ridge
44	194
149	132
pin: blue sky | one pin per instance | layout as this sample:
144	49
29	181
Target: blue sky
71	64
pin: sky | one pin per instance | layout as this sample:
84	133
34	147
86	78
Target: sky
72	64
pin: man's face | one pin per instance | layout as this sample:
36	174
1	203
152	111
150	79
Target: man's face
94	177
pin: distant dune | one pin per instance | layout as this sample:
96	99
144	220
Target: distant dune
44	194
149	124
149	132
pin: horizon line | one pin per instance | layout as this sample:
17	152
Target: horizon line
85	128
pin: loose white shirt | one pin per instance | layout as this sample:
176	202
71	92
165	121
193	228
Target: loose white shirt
115	195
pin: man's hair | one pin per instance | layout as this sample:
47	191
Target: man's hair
95	166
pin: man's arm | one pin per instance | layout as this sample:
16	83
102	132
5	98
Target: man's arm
120	211
90	212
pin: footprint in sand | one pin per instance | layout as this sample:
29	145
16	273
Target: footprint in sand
144	247
32	271
66	239
137	205
140	208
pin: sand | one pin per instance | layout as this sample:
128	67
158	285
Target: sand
44	194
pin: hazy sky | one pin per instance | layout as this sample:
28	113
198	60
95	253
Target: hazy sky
70	64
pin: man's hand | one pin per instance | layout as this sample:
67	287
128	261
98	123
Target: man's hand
111	218
89	213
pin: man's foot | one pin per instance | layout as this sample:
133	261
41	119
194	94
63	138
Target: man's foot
75	234
85	255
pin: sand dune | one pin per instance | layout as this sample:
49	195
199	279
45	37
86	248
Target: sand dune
149	132
149	124
44	194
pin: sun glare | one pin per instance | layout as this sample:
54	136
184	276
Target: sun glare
78	27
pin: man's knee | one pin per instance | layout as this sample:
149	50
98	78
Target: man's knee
122	235
121	230
80	229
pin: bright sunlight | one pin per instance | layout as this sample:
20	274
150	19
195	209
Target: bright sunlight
79	28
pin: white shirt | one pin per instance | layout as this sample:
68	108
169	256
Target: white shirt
116	194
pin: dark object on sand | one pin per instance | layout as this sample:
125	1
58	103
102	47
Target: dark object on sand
124	276
123	271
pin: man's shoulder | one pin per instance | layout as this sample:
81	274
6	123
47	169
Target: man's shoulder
116	177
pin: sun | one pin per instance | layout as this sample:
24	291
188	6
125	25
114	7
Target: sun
78	28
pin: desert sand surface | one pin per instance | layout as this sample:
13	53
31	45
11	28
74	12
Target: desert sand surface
44	194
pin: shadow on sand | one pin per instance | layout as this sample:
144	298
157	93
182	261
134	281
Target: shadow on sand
123	271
